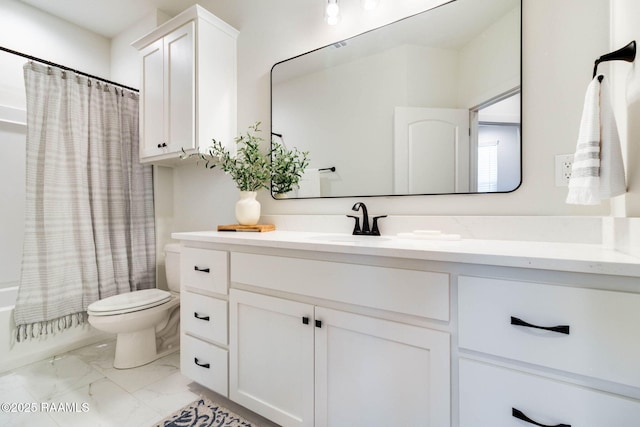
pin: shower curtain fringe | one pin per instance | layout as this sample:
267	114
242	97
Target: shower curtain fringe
50	327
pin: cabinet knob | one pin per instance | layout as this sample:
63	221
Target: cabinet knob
318	323
202	365
162	145
305	320
561	329
521	416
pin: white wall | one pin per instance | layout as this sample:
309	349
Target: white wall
28	30
625	27
487	68
125	59
12	152
625	229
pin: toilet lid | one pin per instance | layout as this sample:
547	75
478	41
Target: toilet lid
130	301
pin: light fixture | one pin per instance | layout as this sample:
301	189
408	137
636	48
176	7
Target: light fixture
332	12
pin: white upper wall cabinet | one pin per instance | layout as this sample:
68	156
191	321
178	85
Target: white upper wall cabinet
188	86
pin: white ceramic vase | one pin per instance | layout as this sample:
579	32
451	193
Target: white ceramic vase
248	208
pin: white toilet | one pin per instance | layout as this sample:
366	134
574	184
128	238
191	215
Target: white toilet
146	322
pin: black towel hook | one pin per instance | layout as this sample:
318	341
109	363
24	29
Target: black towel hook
627	53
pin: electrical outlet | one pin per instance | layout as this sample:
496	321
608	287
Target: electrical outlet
564	163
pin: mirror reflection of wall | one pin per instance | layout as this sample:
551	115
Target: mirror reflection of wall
359	105
497	161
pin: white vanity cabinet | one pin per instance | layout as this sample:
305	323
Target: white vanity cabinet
301	363
546	330
188	85
467	334
204	317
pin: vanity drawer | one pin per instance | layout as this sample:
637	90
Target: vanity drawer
205	364
489	395
204	317
603	326
419	293
204	269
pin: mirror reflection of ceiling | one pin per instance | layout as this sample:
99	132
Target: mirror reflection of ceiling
432	29
479	42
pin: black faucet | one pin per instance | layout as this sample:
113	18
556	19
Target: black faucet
365	231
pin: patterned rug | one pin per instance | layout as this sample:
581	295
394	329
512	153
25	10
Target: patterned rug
204	413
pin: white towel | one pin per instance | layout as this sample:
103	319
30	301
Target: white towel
597	172
612	176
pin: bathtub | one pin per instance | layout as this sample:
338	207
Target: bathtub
13	354
8	297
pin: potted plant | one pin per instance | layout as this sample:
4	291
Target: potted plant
287	167
250	169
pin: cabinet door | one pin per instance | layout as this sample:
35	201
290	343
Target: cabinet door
152	101
179	52
271	357
377	372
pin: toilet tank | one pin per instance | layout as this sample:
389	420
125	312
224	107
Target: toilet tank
172	266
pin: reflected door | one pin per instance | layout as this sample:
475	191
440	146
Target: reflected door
431	150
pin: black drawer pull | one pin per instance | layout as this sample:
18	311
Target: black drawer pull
197	316
318	323
561	329
202	270
521	416
202	365
305	320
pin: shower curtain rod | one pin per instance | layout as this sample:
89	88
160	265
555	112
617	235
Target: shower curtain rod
42	61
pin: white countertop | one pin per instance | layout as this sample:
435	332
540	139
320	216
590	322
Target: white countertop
572	257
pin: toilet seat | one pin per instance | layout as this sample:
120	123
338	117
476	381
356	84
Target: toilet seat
129	302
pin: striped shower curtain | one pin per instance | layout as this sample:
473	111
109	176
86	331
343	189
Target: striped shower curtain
89	226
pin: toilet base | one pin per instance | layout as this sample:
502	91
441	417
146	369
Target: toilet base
141	347
135	349
142	336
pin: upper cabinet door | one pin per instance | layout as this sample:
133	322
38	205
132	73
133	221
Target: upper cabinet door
167	107
152	100
179	91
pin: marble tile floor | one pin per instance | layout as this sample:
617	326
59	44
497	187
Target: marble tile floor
82	388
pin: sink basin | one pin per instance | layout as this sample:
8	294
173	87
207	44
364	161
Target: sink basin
347	238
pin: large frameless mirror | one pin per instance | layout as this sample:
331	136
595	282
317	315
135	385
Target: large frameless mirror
429	104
